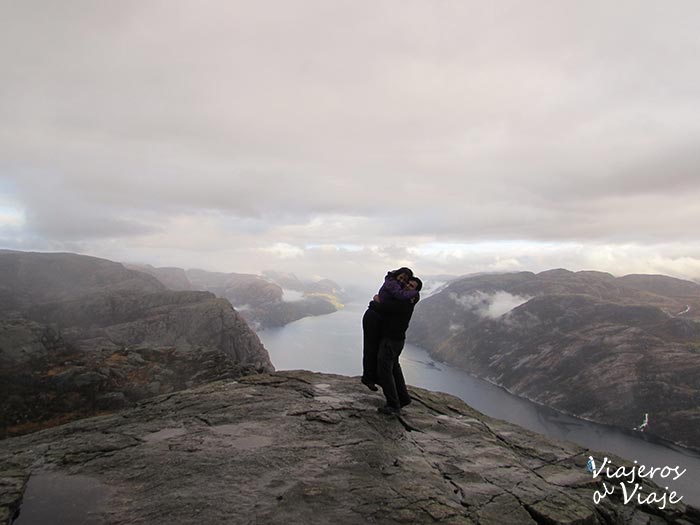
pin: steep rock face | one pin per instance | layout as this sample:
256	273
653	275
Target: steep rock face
23	342
299	447
584	343
66	355
185	319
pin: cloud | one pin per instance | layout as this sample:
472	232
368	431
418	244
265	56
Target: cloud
431	287
284	251
10	218
490	306
292	296
354	137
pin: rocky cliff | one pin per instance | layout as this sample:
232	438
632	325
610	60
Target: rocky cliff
603	348
299	447
80	335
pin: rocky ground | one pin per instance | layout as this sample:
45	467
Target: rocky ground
300	447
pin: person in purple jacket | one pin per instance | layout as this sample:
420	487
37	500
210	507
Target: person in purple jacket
396	315
393	289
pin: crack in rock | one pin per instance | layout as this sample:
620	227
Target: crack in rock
427	405
407	425
203	420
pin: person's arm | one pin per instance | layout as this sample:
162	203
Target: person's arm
392	307
393	287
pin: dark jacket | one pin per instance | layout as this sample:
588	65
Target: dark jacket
392	290
395	317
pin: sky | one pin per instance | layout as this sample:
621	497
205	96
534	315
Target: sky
341	138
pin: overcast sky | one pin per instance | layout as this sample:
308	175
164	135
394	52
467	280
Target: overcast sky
343	138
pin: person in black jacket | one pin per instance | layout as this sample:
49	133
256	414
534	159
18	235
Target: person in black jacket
394	288
396	315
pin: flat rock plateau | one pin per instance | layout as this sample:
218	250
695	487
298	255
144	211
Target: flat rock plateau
300	447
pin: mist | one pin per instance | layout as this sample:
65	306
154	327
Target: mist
491	306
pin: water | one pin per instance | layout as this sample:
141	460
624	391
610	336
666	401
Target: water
333	344
61	499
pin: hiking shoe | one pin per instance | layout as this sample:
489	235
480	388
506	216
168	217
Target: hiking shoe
405	403
369	384
389	410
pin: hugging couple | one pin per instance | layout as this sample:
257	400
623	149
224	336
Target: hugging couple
384	328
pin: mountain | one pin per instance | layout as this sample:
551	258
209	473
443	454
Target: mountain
662	285
29	278
587	343
267	300
79	335
172	278
292	282
300	447
264	302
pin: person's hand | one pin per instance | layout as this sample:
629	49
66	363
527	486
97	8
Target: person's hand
375	298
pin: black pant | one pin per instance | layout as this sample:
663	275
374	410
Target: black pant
371	335
390	375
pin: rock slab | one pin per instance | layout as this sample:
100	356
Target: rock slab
300	447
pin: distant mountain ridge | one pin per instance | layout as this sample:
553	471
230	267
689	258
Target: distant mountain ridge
27	278
81	334
171	277
587	343
260	299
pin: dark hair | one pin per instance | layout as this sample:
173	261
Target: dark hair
403	269
419	283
